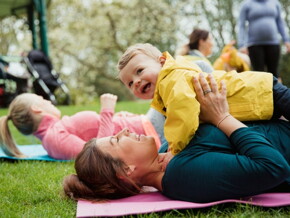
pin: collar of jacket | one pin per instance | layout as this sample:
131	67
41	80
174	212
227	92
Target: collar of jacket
181	63
196	52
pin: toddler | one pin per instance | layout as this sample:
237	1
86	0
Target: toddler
150	74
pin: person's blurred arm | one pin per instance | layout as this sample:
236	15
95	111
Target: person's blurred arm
242	33
281	27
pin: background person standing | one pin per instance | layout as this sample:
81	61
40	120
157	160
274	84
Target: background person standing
260	24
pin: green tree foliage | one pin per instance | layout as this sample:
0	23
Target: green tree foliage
88	37
8	36
218	16
13	32
94	34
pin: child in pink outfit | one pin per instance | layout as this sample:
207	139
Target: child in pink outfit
63	138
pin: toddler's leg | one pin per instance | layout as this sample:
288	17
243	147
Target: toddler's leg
281	97
157	120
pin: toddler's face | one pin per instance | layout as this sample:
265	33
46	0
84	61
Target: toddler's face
140	75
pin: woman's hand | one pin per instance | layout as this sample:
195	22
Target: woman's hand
214	106
213	103
108	101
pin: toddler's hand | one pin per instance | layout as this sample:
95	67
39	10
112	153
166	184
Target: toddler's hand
108	101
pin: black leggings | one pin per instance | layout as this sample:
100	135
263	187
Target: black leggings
265	58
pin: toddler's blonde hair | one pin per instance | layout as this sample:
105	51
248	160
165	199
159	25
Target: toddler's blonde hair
19	113
140	48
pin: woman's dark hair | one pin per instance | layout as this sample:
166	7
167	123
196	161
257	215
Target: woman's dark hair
195	36
99	176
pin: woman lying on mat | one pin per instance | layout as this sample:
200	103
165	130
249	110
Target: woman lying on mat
64	138
225	159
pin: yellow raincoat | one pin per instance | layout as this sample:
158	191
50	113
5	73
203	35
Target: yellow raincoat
230	56
249	96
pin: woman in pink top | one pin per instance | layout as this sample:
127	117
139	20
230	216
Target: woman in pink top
63	138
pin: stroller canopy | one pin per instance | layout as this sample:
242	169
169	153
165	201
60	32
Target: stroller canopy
47	80
43	66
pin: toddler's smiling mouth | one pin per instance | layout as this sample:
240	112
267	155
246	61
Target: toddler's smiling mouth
146	88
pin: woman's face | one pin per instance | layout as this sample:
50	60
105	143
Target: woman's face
205	46
133	149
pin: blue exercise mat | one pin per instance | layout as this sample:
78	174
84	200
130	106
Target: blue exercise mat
33	152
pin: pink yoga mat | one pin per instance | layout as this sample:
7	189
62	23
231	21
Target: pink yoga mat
155	202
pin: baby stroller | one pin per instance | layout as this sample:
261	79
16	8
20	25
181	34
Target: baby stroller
13	79
46	80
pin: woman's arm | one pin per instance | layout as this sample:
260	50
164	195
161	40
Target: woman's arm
213	108
214	105
242	28
281	27
281	24
216	166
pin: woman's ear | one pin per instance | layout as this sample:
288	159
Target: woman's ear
162	60
129	171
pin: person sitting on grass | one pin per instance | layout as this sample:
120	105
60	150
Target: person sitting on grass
150	74
198	49
232	59
224	160
63	138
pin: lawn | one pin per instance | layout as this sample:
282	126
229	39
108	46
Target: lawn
34	189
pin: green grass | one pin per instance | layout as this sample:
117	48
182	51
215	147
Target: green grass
34	188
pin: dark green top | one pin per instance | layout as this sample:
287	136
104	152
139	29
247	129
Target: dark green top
214	167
